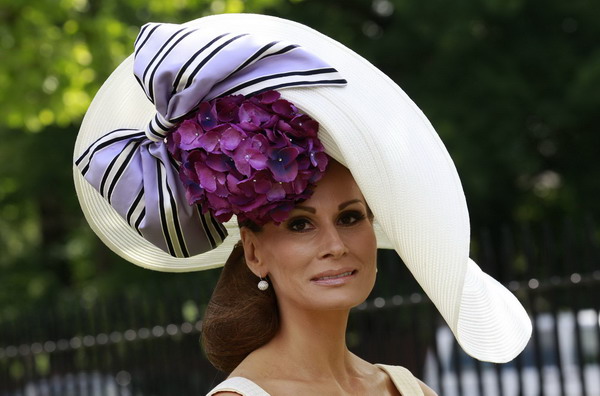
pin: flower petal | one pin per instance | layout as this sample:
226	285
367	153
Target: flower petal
281	212
285	155
262	186
319	160
257	160
282	173
268	97
253	204
230	139
189	133
217	162
240	200
276	192
194	193
209	141
305	125
174	145
206	177
222	190
252	116
207	116
227	108
284	108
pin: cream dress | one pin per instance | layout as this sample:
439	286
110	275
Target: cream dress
405	382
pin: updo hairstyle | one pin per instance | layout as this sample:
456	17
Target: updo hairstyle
239	317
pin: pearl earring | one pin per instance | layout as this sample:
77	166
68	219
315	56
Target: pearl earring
263	284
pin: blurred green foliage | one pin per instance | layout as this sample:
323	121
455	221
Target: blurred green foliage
510	85
62	50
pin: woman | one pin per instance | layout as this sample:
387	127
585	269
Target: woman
240	115
321	263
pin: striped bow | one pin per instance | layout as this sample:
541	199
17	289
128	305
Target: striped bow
178	67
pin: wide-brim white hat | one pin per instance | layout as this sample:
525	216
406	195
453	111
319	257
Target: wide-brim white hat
400	164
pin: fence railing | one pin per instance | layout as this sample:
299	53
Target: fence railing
146	343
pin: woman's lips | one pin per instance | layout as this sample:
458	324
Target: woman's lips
330	278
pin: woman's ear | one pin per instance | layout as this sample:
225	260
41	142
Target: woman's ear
252	253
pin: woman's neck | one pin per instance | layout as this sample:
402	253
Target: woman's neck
314	344
308	355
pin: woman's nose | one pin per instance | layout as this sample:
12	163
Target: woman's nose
332	243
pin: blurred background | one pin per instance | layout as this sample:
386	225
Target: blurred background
513	89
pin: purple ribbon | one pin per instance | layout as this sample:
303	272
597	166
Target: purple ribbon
179	67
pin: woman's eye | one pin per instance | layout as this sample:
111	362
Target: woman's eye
299	225
351	217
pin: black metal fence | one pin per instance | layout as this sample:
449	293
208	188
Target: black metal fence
146	343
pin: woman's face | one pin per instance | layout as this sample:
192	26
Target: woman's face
324	255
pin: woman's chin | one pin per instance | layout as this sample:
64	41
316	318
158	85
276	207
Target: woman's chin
338	302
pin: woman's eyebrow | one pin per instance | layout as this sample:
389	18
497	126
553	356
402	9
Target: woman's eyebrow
306	208
344	204
340	206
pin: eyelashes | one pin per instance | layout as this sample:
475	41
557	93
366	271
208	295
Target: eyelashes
351	217
345	219
298	224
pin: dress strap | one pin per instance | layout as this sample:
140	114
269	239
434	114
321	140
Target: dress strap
240	385
405	382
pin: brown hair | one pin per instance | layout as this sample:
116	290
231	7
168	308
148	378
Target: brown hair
239	317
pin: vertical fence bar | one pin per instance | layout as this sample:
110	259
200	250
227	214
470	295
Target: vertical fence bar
58	360
91	350
413	309
580	352
550	259
498	376
488	257
104	358
130	349
556	340
479	377
594	293
592	258
433	315
508	256
530	257
574	265
456	360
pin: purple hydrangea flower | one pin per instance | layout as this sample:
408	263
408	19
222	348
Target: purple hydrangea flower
253	157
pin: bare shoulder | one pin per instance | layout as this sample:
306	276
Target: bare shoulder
427	391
